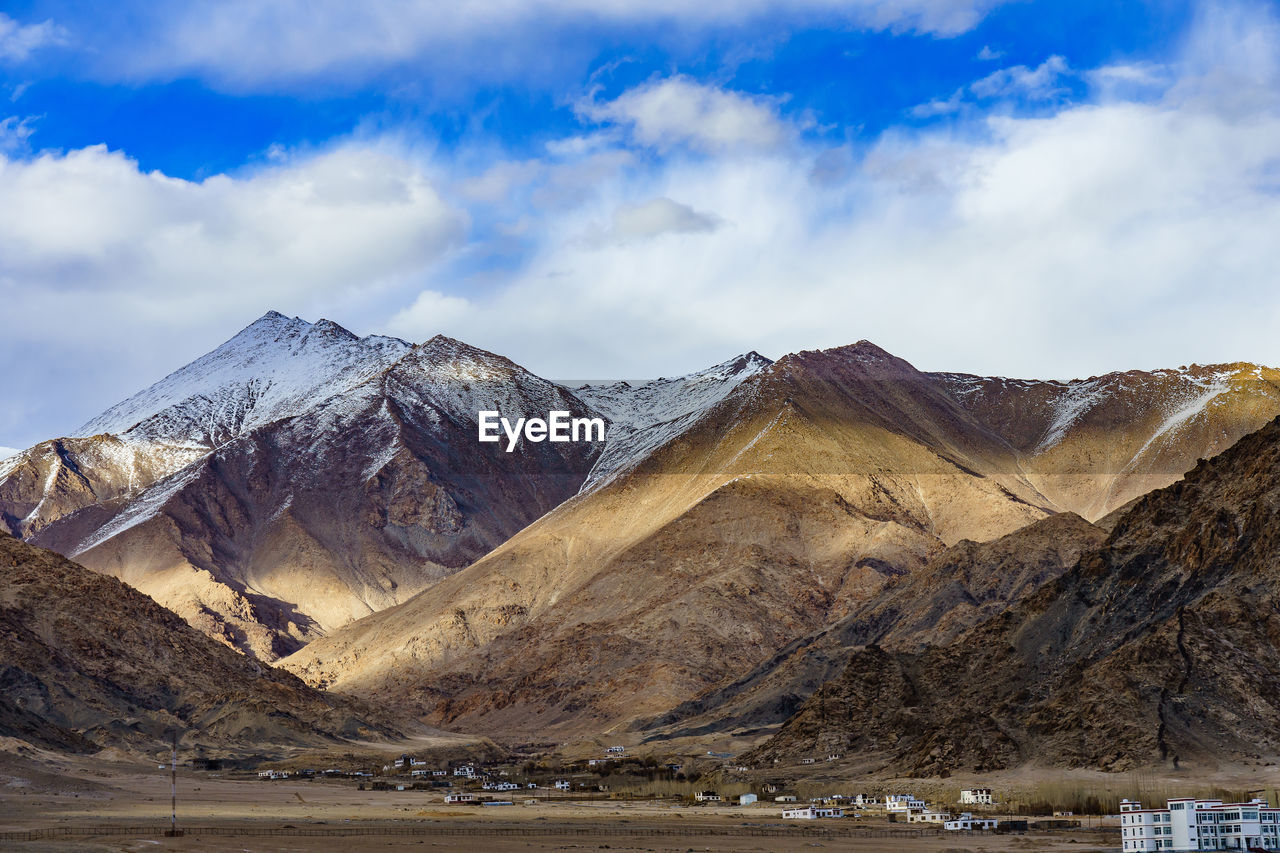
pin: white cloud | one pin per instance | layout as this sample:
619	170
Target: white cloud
90	221
940	106
431	313
1039	82
675	111
659	216
1110	234
19	41
1018	81
988	54
14	133
91	246
248	44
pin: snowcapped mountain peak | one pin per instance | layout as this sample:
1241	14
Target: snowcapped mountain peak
273	368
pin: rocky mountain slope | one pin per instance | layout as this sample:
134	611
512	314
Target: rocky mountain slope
1092	445
787	508
1161	645
305	523
88	662
957	589
775	512
274	368
299	478
313	477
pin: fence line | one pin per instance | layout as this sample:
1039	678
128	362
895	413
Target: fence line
478	831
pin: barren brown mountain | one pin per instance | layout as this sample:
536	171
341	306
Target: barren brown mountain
1163	644
955	591
301	524
777	513
299	478
87	661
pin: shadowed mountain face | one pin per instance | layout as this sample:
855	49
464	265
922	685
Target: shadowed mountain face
1160	644
957	589
87	662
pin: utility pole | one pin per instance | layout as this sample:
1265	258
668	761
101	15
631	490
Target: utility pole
173	832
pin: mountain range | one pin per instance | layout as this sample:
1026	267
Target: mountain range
741	538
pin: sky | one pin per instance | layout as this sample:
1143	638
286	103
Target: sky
630	189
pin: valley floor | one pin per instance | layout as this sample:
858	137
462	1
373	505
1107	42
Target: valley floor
122	805
79	795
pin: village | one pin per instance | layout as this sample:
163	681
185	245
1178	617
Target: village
474	783
484	797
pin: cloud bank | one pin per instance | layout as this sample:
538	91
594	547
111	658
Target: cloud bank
1127	222
242	44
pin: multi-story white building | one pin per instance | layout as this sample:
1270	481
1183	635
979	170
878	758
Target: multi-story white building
904	803
976	797
1192	824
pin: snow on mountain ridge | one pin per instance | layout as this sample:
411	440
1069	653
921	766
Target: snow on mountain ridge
271	369
665	399
645	416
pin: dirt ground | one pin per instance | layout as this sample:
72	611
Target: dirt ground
43	792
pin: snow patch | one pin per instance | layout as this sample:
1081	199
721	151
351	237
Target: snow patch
142	508
645	416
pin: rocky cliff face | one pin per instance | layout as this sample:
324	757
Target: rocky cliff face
1092	445
87	662
1159	645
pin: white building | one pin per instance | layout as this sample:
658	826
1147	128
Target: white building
927	816
904	803
864	800
976	797
707	797
967	822
616	750
811	813
1191	824
459	798
746	799
562	784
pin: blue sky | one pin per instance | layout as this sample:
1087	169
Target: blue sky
612	188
